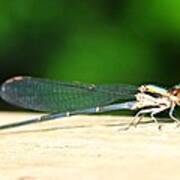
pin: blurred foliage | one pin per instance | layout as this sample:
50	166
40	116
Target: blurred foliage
105	41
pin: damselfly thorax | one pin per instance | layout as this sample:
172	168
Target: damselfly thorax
153	100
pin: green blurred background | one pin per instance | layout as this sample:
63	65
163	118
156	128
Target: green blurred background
105	41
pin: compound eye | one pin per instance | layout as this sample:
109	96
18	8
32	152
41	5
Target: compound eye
175	91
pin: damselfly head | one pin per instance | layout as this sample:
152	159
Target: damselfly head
175	91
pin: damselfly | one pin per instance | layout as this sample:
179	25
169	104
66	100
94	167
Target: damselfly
64	99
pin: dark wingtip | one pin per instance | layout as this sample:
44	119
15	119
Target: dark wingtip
3	87
16	78
11	80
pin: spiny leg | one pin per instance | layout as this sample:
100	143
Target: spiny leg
152	112
155	120
156	111
137	116
132	122
172	116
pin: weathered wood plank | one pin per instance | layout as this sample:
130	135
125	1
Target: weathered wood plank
88	147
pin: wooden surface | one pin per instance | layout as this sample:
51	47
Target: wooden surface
88	148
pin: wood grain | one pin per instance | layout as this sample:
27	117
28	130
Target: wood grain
88	147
